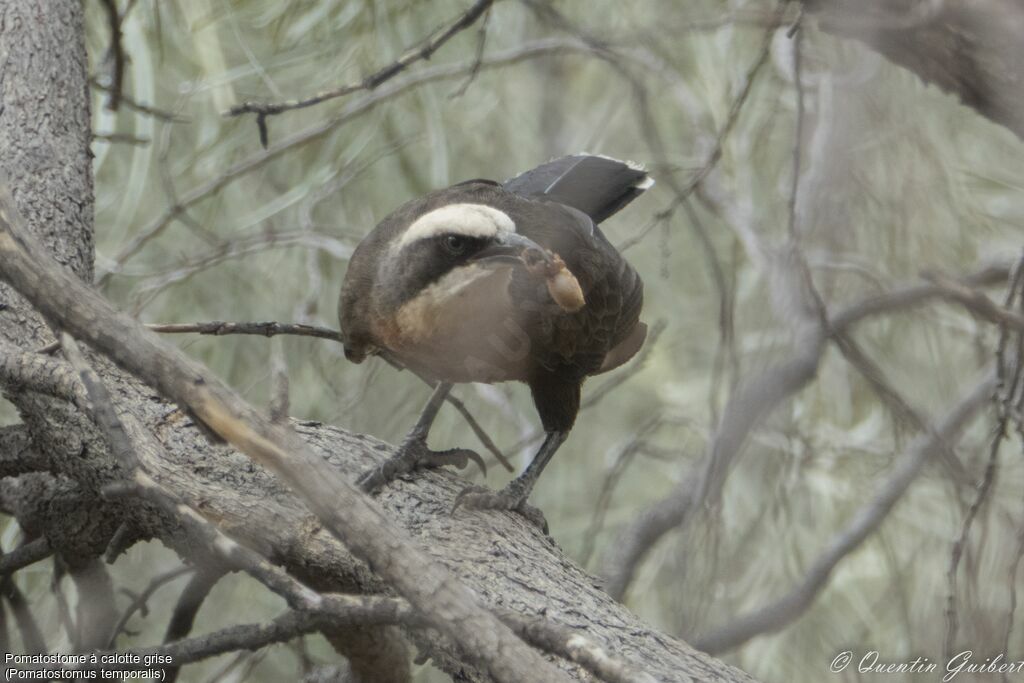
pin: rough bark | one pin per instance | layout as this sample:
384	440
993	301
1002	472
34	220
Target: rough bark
44	129
45	134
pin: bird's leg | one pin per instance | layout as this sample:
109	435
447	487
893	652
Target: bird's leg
513	496
414	454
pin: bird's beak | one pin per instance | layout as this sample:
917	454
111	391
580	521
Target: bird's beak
510	248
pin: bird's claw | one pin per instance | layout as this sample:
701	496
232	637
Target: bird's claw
482	498
456	457
413	455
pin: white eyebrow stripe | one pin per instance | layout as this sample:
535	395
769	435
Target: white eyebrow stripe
472	220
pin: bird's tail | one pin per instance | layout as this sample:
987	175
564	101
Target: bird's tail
596	185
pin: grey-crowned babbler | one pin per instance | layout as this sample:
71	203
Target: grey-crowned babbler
495	282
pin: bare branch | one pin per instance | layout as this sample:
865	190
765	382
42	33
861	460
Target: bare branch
291	624
421	52
751	401
976	302
777	614
128	102
95	613
341	610
124	138
683	192
186	609
897	404
347	513
139	601
571	645
115	53
270	329
262	329
31	636
24	555
525	52
1007	384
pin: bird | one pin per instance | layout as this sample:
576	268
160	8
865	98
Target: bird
490	282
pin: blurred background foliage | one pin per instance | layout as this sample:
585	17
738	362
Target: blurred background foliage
896	178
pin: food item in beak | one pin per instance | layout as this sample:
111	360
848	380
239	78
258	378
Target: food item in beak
563	286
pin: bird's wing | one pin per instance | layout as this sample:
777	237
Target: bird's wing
596	185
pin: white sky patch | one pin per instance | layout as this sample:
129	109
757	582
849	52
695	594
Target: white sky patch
471	220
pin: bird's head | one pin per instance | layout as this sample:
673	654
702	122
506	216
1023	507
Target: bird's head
452	247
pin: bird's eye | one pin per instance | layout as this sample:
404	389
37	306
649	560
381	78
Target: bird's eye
455	244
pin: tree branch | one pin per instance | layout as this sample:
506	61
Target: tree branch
751	402
777	614
427	48
350	515
24	555
523	53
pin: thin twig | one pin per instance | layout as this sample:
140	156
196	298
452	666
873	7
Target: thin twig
115	52
955	555
977	302
481	42
31	637
63	608
571	645
611	479
479	431
124	138
128	102
427	48
797	34
745	408
528	51
893	399
682	193
262	329
1003	403
184	615
25	555
139	601
270	329
784	610
348	611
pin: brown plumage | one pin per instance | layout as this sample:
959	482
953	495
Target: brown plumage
457	286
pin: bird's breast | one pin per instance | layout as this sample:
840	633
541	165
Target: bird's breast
462	328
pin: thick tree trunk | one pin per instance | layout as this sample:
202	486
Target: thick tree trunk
44	132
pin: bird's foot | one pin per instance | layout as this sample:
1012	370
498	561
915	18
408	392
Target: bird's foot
509	498
413	455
